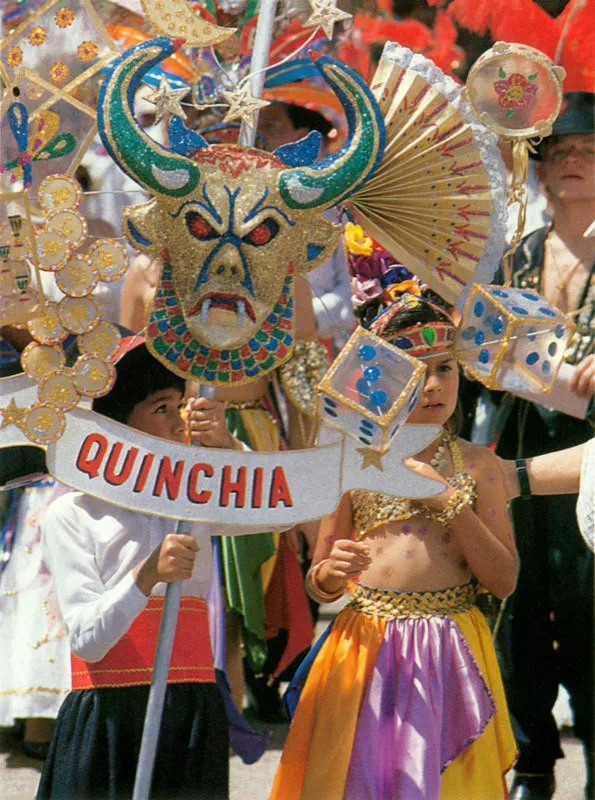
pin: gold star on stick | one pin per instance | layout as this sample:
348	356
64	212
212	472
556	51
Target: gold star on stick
13	415
243	105
370	458
325	13
167	100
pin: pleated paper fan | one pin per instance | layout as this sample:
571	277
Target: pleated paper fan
437	201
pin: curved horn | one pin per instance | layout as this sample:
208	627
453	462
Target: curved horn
156	167
335	177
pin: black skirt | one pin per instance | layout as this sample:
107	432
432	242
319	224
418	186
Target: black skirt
97	736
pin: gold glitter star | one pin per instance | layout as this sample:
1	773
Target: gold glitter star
13	415
243	105
167	100
325	13
370	458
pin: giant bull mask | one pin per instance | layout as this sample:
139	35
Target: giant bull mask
231	224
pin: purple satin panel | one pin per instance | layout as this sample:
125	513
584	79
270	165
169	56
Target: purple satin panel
426	702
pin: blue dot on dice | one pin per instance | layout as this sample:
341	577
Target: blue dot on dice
545	367
362	386
559	331
372	373
378	397
484	356
478	308
499	293
468	333
532	358
479	337
552	348
530	296
498	326
520	310
367	352
547	312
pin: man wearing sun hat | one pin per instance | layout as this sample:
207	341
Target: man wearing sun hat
546	636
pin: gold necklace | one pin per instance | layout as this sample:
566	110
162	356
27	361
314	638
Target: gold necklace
439	460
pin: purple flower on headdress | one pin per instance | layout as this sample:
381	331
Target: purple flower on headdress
363	291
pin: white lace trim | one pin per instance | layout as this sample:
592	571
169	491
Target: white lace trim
490	155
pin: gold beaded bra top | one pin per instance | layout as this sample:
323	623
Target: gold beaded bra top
372	509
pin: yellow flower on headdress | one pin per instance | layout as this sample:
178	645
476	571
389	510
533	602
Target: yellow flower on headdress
392	293
356	241
15	56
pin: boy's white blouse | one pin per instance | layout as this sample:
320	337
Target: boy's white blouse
91	548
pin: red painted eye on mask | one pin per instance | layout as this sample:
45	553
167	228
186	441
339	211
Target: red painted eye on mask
263	233
199	227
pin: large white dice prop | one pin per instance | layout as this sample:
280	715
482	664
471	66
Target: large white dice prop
512	339
370	390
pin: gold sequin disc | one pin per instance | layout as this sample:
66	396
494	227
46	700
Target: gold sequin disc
79	314
44	424
58	192
93	377
77	278
57	390
103	341
109	258
52	250
39	359
70	225
46	328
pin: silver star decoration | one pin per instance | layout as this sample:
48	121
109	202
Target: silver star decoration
167	100
325	13
243	105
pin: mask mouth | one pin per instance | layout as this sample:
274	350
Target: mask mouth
223	301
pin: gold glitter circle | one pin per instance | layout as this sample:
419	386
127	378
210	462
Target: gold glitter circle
46	328
44	424
14	56
93	377
70	225
79	314
109	258
86	51
58	192
59	72
57	390
103	341
38	360
77	278
37	35
64	17
52	250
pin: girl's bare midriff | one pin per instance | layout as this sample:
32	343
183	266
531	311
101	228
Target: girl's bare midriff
414	555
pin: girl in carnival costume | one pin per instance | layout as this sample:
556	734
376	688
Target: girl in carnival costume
403	698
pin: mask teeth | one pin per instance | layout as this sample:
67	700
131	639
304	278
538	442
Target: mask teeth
204	311
241	312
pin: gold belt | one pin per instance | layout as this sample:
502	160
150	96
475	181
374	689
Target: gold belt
402	605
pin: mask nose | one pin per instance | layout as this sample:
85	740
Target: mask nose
228	263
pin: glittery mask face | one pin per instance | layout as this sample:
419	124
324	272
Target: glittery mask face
231	224
232	244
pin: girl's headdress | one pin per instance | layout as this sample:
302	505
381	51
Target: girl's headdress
392	302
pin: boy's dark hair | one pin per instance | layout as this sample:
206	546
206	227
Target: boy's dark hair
139	374
301	117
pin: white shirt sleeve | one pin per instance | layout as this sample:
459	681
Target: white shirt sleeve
95	617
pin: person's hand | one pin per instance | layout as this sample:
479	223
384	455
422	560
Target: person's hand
346	560
582	381
172	560
437	501
206	423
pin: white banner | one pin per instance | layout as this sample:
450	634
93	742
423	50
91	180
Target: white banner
277	489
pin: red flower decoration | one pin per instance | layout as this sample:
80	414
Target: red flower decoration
515	92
